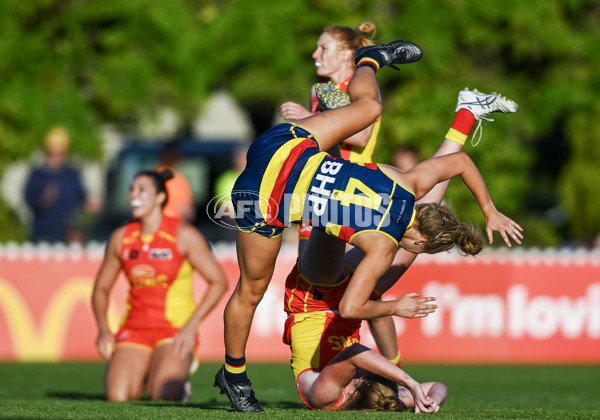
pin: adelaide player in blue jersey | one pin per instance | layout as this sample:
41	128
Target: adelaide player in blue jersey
289	178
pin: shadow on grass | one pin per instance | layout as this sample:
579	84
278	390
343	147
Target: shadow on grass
76	396
283	404
213	404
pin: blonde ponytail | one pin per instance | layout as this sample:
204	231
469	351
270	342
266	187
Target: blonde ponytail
443	230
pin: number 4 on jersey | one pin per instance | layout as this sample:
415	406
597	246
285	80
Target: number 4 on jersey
359	194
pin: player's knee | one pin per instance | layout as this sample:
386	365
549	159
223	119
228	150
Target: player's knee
167	391
115	394
251	295
249	302
116	398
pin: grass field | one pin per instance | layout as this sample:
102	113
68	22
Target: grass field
74	391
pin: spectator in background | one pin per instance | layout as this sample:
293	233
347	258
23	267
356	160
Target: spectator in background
55	193
181	197
225	181
223	187
405	158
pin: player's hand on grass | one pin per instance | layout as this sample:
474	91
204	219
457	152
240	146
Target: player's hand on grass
411	305
423	403
430	406
498	222
185	340
106	345
435	404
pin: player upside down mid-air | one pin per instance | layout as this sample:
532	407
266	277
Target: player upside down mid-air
332	370
287	165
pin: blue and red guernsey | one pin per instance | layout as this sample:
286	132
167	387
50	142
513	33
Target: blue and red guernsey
287	179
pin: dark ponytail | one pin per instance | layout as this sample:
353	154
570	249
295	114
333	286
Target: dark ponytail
159	179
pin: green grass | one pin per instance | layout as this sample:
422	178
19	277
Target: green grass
74	391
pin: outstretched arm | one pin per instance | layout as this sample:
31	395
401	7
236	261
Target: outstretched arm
373	271
194	247
424	176
107	275
330	383
379	252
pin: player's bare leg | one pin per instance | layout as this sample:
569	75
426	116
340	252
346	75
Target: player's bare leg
168	373
256	257
126	372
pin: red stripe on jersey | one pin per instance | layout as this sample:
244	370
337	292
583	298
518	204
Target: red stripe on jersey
282	177
346	233
345	151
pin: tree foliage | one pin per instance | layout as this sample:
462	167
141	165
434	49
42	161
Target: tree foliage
85	64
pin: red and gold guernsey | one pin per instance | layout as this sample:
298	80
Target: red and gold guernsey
314	329
302	295
349	152
160	278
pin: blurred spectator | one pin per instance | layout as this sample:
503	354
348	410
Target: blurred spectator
55	193
181	197
225	181
223	187
405	158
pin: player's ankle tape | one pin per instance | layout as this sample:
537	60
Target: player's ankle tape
456	136
368	61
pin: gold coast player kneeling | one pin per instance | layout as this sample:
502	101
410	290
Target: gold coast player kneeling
153	350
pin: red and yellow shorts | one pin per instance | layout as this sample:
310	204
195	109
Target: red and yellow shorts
147	337
317	337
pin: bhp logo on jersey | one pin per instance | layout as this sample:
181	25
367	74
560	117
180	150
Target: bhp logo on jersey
319	193
347	201
222	211
333	198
